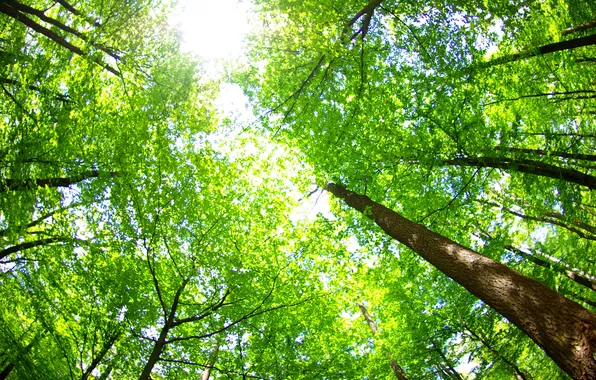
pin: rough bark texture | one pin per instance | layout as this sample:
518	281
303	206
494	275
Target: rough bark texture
400	374
565	330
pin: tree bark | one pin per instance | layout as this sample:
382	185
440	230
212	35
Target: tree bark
565	330
526	166
542	50
400	374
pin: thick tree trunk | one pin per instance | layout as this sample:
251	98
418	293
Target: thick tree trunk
565	330
544	49
400	374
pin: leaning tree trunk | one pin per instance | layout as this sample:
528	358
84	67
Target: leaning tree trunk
542	50
564	329
399	373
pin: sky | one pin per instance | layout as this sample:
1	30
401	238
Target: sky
213	29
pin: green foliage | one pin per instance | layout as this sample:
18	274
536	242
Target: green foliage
128	210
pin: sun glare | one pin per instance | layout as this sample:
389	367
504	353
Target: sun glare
211	29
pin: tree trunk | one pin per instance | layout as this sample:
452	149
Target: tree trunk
212	360
161	342
526	166
448	370
158	347
582	279
542	50
6	371
580	27
565	330
400	374
515	370
28	184
545	153
15	14
108	344
30	244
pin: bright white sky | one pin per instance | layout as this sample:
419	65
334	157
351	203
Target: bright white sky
213	29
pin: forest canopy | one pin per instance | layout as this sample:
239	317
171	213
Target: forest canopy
147	234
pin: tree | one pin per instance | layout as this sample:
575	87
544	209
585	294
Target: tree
537	310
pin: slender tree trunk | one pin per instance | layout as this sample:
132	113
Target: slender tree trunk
107	372
449	370
8	369
212	360
545	153
583	233
14	13
515	370
400	374
158	347
108	344
579	278
542	50
160	343
42	16
28	184
526	166
580	27
565	330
